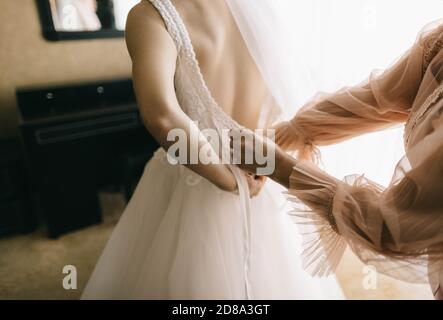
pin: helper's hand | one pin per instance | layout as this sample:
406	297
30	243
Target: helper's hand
281	165
244	144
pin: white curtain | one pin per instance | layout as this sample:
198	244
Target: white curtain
344	40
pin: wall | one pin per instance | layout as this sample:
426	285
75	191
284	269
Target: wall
27	59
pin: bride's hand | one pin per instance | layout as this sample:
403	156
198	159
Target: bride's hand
228	182
286	137
255	183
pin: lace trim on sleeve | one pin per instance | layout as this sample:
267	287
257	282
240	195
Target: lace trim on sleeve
432	46
417	116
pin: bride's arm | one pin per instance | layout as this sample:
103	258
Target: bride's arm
154	58
382	101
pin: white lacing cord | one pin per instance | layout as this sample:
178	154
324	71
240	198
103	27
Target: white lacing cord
245	203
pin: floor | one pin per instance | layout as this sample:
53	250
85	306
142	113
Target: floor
31	265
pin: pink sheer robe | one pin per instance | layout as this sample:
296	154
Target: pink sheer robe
398	229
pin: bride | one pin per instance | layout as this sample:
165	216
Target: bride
194	232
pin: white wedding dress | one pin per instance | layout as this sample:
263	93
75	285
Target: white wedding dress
181	237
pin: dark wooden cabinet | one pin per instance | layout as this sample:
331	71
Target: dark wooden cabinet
16	215
78	139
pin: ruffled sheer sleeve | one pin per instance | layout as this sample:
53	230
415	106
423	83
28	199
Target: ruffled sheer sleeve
380	102
397	229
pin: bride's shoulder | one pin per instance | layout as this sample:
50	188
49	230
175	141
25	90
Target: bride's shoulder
145	28
143	16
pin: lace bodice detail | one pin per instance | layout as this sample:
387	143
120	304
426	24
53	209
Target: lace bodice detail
192	91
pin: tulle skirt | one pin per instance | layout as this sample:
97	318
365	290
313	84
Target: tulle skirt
181	237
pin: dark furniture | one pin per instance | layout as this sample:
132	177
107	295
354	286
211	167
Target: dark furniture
78	139
15	213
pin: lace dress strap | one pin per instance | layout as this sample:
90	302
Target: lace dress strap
177	28
170	21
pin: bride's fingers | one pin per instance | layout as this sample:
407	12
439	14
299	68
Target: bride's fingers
256	184
250	181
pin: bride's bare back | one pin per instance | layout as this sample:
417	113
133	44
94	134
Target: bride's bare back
224	59
226	64
227	67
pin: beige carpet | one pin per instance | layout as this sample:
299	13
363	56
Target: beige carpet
31	266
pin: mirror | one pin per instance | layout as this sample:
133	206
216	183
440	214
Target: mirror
84	19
